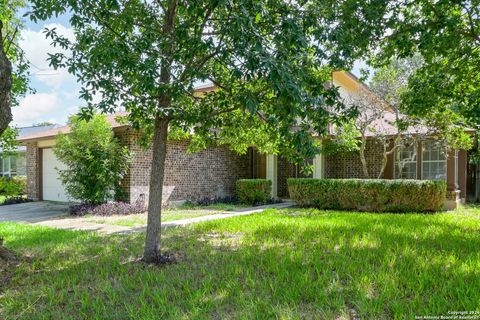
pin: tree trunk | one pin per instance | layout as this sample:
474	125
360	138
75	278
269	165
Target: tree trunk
385	160
159	150
384	165
5	109
363	160
5	86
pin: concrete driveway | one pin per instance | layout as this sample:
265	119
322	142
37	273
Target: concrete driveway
33	211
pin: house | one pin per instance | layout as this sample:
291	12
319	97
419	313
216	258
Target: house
12	165
212	173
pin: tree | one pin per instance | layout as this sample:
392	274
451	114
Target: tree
383	124
391	81
376	122
13	82
268	60
95	166
447	35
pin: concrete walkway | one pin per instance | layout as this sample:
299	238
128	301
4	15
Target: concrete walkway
76	224
31	212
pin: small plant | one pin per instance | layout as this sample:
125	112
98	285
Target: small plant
254	191
12	187
108	209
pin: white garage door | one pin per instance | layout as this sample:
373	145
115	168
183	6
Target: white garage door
52	186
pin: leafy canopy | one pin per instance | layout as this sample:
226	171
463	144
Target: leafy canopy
12	26
96	166
447	35
268	60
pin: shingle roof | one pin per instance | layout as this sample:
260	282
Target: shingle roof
25	131
52	132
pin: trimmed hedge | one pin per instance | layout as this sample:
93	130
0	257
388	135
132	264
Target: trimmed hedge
254	191
369	195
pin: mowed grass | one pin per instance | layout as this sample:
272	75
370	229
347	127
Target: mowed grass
185	211
136	220
284	264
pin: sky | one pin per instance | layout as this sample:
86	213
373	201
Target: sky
56	95
57	91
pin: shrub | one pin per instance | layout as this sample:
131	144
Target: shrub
11	187
95	160
21	181
254	191
108	209
369	195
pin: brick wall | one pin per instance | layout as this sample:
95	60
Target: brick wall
33	171
346	166
207	174
287	170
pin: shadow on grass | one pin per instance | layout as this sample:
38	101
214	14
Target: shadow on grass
265	266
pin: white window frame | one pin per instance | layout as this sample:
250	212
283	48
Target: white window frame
6	172
6	165
442	158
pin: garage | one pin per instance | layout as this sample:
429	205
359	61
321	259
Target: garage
52	188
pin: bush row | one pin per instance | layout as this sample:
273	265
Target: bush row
254	191
369	195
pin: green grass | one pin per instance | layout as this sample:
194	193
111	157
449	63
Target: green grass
184	211
216	206
284	264
141	219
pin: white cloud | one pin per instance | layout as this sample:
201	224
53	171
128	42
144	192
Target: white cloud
41	107
37	47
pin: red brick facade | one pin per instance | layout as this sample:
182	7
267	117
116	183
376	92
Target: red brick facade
287	170
349	166
209	173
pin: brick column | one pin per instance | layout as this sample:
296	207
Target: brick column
33	171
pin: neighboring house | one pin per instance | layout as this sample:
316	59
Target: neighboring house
12	165
212	173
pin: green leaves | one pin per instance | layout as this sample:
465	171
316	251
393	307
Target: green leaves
268	60
8	141
95	166
446	34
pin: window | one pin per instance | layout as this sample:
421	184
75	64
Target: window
406	162
434	161
13	165
6	166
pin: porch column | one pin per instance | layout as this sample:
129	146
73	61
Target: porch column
462	173
271	173
453	194
319	166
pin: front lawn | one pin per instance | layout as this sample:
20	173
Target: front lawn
136	220
290	264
